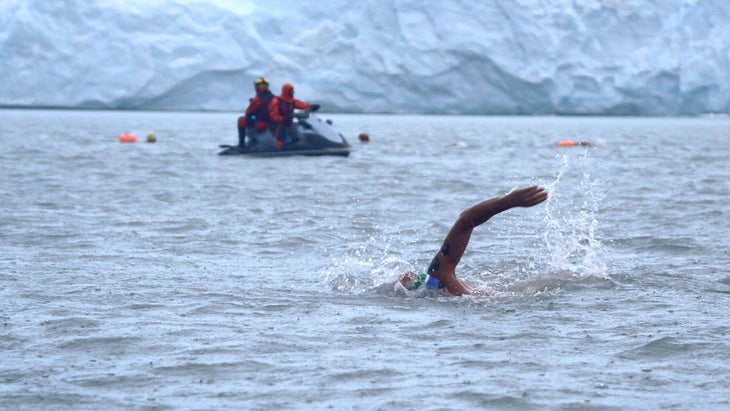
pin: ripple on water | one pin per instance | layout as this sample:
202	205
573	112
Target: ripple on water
661	348
76	326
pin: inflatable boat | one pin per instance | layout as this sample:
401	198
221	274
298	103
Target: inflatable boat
308	136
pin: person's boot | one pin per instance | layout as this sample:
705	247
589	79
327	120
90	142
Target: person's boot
280	137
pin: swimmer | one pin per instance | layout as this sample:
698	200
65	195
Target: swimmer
443	265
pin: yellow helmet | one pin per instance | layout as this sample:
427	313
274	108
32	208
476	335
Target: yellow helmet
261	82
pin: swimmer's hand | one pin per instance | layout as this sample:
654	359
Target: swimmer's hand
526	197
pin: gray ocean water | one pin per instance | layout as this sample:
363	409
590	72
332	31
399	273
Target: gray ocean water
162	276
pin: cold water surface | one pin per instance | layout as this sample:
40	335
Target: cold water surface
163	276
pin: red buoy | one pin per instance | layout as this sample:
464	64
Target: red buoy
127	138
566	143
571	143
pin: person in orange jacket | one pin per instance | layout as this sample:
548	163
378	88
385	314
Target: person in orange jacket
257	113
281	112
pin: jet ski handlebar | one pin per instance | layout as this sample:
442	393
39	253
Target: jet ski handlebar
302	114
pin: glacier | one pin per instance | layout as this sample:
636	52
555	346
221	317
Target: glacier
583	57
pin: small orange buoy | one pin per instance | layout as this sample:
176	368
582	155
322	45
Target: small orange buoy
571	143
566	143
364	137
127	138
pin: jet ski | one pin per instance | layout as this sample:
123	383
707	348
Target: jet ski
308	136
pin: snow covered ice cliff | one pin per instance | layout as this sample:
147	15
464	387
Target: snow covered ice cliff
657	57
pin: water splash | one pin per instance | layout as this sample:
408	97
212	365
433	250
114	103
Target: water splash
571	217
567	249
366	266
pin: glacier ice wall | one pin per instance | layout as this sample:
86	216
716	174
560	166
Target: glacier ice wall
648	57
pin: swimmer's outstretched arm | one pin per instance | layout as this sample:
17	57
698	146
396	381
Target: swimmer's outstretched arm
443	265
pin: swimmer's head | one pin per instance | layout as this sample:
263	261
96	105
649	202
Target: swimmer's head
411	280
407	278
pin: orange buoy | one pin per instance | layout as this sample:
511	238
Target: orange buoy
571	143
127	138
566	143
364	137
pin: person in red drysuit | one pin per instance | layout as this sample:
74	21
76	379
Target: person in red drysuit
281	112
257	113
